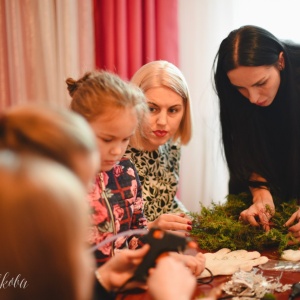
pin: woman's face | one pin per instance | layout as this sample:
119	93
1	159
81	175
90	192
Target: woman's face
113	130
258	84
166	112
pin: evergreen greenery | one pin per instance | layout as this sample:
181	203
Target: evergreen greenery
219	227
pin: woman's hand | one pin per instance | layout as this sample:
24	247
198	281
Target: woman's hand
294	229
180	223
116	271
171	280
262	208
195	263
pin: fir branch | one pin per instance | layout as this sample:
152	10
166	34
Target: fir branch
218	227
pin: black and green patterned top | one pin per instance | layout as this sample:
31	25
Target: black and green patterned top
159	174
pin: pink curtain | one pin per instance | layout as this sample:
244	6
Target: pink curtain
41	43
4	87
129	33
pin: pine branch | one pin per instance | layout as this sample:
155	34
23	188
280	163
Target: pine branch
218	227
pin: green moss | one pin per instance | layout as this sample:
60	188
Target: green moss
269	297
218	227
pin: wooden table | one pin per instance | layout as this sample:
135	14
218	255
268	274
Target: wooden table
204	289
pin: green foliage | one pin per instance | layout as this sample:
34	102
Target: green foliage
219	227
269	297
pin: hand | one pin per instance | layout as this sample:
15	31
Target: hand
180	223
227	262
195	263
295	229
263	207
116	271
171	280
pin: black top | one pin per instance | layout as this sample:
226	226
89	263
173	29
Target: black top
266	140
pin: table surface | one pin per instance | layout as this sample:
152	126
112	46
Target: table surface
204	289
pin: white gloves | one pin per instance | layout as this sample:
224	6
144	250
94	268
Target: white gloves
291	255
227	262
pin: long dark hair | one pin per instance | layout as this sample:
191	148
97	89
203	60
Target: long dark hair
256	137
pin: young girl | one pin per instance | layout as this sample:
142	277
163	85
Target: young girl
155	148
114	110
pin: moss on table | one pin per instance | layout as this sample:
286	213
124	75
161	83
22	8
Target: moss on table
218	226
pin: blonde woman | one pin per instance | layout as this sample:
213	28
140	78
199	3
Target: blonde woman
155	149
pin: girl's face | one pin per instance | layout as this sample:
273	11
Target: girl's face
258	84
166	112
113	130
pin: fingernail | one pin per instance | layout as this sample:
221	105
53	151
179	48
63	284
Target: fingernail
187	234
189	222
189	228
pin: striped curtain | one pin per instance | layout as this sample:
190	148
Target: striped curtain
42	42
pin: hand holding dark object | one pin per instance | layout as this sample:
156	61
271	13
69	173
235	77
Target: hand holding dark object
174	279
161	242
116	271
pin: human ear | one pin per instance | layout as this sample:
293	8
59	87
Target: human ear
281	61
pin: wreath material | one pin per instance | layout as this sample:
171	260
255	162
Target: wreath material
217	227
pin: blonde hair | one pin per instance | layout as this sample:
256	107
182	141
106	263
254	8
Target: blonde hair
53	132
162	73
98	91
43	219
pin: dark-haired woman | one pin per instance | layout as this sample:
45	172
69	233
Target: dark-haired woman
256	78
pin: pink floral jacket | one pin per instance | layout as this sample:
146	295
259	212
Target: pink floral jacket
122	190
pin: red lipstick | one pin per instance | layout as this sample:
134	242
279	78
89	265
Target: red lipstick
160	133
